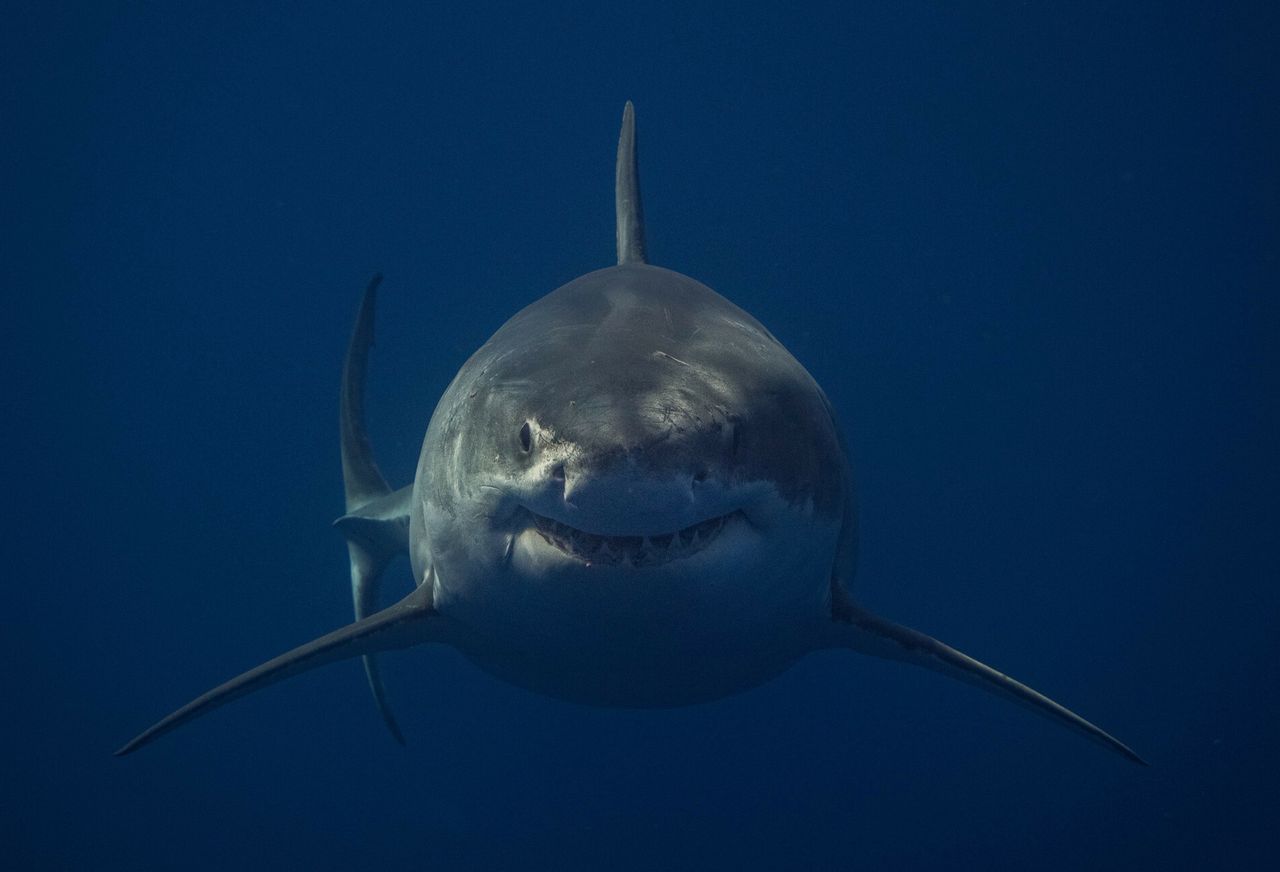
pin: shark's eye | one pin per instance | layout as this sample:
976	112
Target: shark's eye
526	437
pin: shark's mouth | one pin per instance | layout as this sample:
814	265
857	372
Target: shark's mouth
636	551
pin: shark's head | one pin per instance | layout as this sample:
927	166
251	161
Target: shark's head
631	469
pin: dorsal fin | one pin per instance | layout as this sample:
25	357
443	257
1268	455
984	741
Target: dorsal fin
626	192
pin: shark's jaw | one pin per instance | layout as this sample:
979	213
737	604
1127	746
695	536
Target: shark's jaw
708	608
630	551
638	597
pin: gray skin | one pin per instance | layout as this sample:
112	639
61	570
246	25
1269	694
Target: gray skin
631	495
633	402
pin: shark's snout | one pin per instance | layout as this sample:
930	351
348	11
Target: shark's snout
615	496
592	486
624	476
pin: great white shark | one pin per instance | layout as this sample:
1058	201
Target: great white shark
631	495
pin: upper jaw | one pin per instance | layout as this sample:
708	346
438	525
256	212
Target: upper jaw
631	504
623	533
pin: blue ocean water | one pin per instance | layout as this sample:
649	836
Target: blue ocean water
1030	252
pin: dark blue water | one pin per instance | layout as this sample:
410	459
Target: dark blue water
1030	253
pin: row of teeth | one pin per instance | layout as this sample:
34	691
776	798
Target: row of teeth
629	550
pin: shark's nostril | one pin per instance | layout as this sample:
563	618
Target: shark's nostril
557	472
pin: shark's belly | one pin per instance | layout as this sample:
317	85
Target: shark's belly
645	677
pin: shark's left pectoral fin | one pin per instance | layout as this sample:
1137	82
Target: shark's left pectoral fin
868	633
411	621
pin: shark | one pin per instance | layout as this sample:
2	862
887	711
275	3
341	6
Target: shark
631	495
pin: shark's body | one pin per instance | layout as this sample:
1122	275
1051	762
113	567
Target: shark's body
631	495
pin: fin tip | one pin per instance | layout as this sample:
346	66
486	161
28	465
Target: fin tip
129	747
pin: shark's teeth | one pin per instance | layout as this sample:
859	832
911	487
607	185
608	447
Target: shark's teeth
635	551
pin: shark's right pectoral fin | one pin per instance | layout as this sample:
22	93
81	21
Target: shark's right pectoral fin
412	621
868	633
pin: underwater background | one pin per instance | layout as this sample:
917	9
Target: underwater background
1029	250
